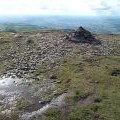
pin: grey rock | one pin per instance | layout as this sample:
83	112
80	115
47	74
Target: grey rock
53	77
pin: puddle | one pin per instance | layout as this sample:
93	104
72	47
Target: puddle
14	89
9	86
10	82
11	90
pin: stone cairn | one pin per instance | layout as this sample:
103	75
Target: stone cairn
81	35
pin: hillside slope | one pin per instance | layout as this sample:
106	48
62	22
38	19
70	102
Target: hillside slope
52	78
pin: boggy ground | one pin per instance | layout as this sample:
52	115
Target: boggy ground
46	77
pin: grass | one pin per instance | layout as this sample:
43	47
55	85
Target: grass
83	83
13	116
22	104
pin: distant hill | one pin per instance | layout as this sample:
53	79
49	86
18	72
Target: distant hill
108	25
19	27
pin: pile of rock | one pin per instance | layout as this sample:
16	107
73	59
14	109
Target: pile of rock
81	35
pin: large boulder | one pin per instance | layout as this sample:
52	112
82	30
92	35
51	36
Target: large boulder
81	35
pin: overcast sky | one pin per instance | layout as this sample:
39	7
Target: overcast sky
60	7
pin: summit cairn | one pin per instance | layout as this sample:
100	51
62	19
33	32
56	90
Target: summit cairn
81	35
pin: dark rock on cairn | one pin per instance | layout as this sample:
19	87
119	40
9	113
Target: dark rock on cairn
81	35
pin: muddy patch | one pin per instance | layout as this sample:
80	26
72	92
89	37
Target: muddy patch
87	101
56	102
115	72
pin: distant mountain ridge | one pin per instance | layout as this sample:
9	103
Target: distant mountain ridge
30	23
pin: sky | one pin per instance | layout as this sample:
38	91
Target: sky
60	7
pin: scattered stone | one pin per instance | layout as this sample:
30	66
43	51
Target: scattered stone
96	82
13	76
17	36
29	41
92	81
58	82
53	77
36	78
1	38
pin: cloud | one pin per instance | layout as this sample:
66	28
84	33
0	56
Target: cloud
106	7
102	6
59	7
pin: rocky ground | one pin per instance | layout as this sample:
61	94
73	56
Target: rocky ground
41	70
